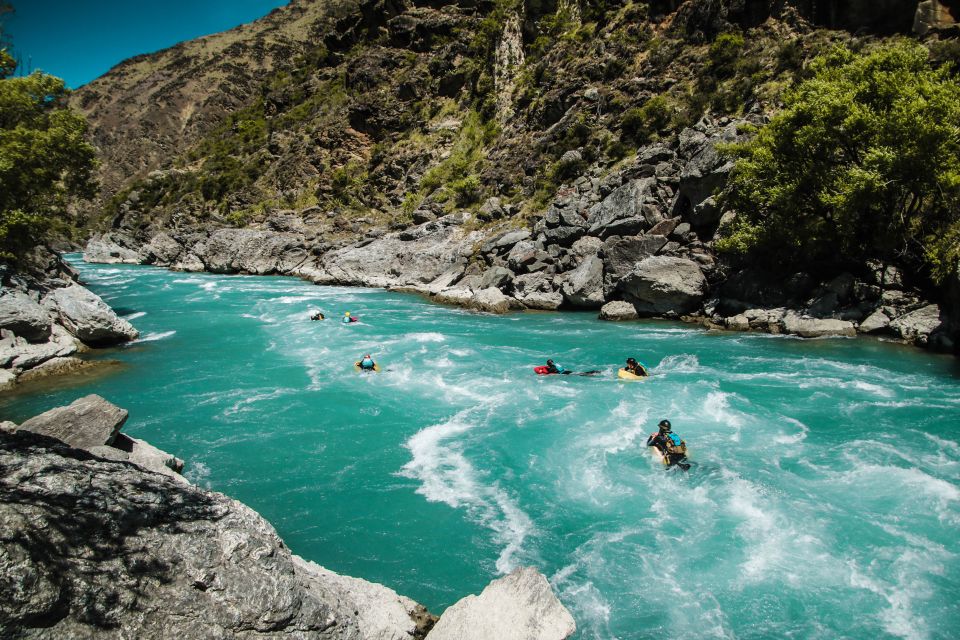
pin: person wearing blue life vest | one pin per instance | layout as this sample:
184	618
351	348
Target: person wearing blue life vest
670	445
367	364
553	367
347	319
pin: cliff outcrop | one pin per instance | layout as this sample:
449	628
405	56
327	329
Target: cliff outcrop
47	318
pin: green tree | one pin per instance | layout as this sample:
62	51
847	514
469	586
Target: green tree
863	162
45	159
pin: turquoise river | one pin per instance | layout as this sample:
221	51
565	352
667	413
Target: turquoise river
824	501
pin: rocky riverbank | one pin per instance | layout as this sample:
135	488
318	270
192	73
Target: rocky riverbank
633	242
103	538
47	317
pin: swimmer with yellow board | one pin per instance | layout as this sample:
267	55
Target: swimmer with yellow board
633	371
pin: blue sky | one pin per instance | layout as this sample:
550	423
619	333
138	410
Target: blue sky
79	40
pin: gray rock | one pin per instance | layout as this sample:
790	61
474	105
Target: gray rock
586	246
706	170
618	311
88	422
490	300
705	213
536	291
115	551
520	606
25	355
917	326
162	250
422	216
815	327
664	227
875	322
250	251
522	254
621	255
22	315
87	317
665	285
583	287
498	277
8	379
110	249
738	322
628	210
505	241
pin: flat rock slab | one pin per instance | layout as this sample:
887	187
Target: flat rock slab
520	606
88	422
88	317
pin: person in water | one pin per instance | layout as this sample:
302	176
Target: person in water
670	446
553	367
635	368
318	316
347	319
366	363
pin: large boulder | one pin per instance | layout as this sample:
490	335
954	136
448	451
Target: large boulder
251	251
583	287
706	169
536	291
519	606
100	549
490	300
88	422
22	315
618	310
88	317
628	210
665	285
815	327
110	249
917	326
17	353
621	255
162	250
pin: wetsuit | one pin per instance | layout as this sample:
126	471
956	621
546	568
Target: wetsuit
659	441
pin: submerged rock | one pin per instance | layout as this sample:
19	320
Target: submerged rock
519	606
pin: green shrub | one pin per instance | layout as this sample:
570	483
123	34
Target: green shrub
641	124
724	53
863	162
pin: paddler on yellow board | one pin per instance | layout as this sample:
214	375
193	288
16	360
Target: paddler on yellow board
636	368
670	446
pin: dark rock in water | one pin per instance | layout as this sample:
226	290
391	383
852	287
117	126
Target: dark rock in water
665	285
22	315
96	548
88	422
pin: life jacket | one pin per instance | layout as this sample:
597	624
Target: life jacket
367	363
674	445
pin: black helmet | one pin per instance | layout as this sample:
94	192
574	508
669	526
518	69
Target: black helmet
631	361
664	425
549	361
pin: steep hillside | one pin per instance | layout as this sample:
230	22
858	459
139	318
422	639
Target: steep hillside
381	115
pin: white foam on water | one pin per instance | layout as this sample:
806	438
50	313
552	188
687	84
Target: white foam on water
796	438
900	618
427	336
682	363
189	281
245	404
135	315
209	285
446	475
198	473
717	407
153	337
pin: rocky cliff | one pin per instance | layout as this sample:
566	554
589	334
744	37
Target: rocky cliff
102	538
413	144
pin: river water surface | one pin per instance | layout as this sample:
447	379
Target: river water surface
824	502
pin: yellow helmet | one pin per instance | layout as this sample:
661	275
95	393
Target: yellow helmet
346	313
